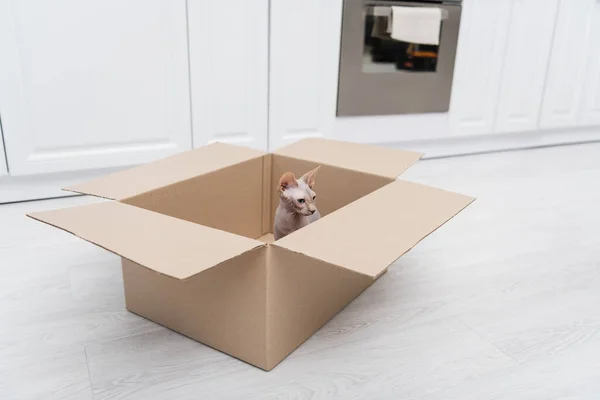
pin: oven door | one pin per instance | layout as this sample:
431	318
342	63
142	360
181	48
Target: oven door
379	75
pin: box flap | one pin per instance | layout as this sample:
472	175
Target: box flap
369	234
167	245
176	168
374	160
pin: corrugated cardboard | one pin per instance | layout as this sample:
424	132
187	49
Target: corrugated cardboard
195	235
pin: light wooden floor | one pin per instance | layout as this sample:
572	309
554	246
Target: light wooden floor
501	303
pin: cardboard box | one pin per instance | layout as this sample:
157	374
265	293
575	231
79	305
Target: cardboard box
194	233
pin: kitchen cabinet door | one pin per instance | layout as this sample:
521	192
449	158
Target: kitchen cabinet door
479	60
92	84
530	34
590	107
229	71
304	60
568	61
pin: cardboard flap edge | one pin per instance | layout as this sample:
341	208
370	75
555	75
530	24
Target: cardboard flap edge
308	255
78	189
175	168
72	219
377	228
382	161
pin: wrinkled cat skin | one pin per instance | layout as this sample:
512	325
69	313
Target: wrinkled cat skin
297	206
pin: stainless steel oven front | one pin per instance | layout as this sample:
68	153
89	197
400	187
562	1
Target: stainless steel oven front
379	74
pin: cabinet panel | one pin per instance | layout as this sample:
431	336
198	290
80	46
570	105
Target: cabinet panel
304	59
590	108
229	71
530	36
566	72
93	84
479	61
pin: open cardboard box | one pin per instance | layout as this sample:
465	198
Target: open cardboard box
195	235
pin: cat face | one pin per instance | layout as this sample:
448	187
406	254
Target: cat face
298	193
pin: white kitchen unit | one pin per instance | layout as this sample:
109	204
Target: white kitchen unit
567	68
530	35
304	59
527	74
478	71
86	89
229	72
510	86
590	106
94	84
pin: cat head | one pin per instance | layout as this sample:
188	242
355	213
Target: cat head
298	193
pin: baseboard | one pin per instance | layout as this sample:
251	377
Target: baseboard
469	145
47	186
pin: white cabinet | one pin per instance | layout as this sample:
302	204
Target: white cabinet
479	62
528	65
568	62
229	55
111	83
530	35
590	106
92	84
304	59
572	87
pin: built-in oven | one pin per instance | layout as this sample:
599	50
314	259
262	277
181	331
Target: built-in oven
397	57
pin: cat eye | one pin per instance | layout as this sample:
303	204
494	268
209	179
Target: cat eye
314	197
300	201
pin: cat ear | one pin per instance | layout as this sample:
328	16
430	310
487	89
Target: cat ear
309	177
287	180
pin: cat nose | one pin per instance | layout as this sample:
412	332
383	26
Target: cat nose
312	211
